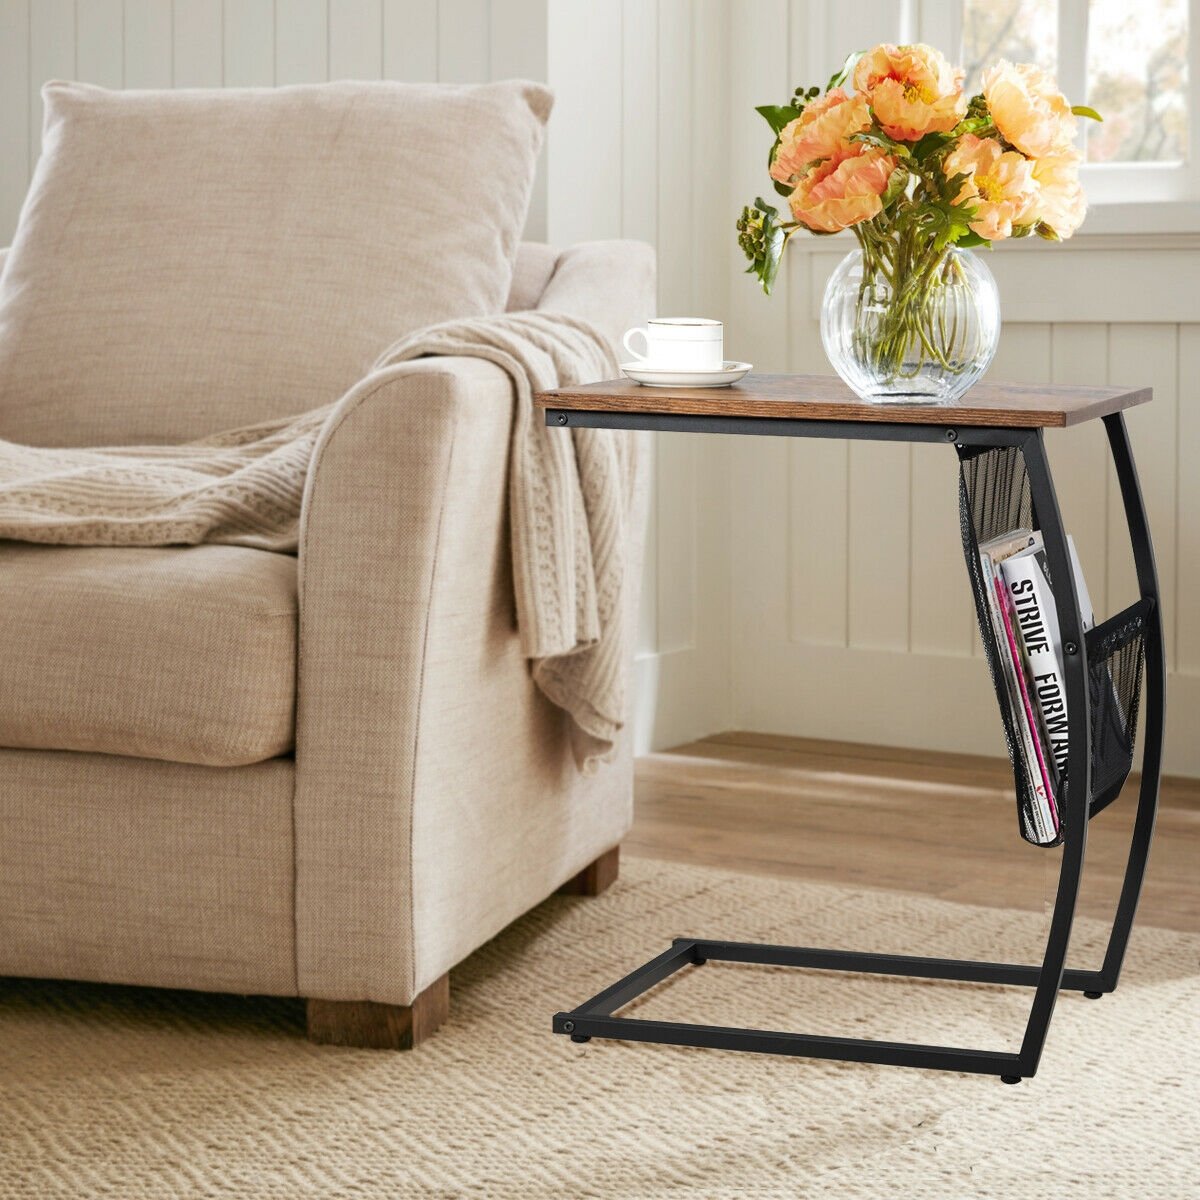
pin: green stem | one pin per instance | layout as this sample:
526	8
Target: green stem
902	297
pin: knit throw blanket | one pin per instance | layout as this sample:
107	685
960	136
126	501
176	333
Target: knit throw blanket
571	500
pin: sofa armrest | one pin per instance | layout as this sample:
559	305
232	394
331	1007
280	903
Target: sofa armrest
436	794
609	283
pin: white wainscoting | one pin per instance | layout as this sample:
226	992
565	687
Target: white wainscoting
640	114
851	616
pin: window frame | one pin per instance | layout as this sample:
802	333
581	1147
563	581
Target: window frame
1123	197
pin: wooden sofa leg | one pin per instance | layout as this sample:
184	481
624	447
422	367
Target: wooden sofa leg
599	875
372	1026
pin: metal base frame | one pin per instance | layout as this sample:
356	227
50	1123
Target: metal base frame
596	1017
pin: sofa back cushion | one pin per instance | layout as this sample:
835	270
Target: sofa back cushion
188	261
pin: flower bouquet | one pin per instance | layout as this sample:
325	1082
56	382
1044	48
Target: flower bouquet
921	174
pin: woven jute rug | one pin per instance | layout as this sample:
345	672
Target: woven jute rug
137	1093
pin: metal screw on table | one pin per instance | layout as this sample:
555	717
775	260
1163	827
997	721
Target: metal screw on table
1071	648
952	435
562	418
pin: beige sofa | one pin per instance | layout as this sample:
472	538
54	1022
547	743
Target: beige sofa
330	777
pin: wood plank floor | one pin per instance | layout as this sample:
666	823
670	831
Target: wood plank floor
939	824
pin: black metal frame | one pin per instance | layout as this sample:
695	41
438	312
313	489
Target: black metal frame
595	1017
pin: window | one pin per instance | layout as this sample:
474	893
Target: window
1137	76
1130	61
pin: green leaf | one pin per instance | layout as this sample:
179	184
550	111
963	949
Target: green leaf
777	115
774	256
782	188
1045	232
971	238
1082	110
762	238
847	70
951	185
930	144
897	183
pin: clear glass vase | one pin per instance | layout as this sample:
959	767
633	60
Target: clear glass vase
909	325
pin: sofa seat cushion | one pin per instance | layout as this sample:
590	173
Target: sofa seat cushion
186	654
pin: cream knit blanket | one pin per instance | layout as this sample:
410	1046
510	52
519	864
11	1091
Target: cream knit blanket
571	499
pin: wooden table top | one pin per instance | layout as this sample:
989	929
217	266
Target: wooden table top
827	398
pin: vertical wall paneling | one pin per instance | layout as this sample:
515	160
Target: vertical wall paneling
518	50
100	44
817	472
518	30
148	44
464	41
356	39
301	41
675	460
199	43
639	120
639	219
1147	354
759	73
51	55
817	541
1079	457
583	160
942	615
1183	617
675	545
712	221
410	40
757	331
15	126
249	39
878	529
676	130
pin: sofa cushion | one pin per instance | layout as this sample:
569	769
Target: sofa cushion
531	273
186	654
194	260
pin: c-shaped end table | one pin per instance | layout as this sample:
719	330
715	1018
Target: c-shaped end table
991	416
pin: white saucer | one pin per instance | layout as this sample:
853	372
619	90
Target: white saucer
727	373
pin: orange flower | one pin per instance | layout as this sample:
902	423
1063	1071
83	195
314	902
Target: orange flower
912	90
822	130
1028	109
1000	185
1061	203
836	194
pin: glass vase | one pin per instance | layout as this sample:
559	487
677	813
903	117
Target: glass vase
904	324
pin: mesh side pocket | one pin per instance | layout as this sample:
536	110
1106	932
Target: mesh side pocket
993	499
1116	652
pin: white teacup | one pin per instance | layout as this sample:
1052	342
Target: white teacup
680	344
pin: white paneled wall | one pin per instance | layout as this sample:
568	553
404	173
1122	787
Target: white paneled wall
249	43
801	587
851	616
